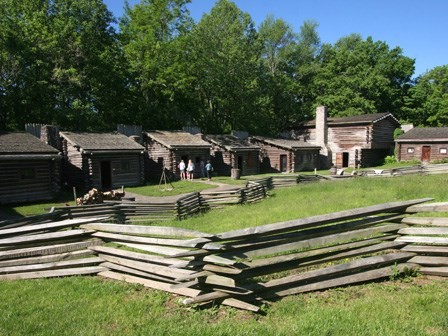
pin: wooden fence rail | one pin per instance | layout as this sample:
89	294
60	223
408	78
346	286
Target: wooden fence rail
239	268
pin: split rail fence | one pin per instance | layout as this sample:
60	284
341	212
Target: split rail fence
239	268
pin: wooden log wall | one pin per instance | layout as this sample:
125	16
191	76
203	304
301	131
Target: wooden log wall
127	169
308	254
41	184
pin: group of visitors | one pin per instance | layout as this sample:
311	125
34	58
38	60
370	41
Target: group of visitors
187	170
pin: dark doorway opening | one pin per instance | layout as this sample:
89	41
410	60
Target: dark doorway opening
106	175
345	159
240	164
283	163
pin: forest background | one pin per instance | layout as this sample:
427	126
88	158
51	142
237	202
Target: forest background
69	63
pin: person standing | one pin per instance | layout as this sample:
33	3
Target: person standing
182	170
202	168
209	169
190	170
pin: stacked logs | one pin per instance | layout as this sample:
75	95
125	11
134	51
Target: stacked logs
94	196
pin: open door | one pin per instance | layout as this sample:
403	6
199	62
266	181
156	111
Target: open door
106	175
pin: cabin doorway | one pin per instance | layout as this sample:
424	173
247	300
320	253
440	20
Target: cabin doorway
345	160
106	175
283	163
240	164
426	153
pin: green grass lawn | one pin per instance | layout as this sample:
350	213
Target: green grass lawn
92	306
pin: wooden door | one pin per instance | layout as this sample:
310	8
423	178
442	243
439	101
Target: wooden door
426	153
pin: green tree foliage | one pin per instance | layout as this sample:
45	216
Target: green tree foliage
60	63
362	76
278	89
224	56
428	99
153	35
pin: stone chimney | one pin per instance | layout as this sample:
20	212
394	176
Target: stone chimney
242	135
322	136
50	135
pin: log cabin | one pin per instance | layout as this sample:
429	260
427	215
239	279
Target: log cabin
356	141
29	169
165	150
423	144
286	155
101	160
230	152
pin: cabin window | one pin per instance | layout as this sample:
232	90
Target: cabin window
410	150
125	166
443	150
27	173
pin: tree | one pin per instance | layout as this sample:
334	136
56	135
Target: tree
59	64
428	99
153	35
362	76
224	54
278	85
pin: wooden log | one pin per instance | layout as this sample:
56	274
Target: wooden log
319	220
151	241
46	259
423	240
424	231
48	249
138	256
430	221
54	273
48	227
43	237
310	233
313	242
132	271
51	265
147	267
150	283
429	261
435	271
432	207
426	250
352	279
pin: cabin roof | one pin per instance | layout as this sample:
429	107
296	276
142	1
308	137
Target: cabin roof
178	139
362	119
425	133
231	142
101	141
286	143
23	143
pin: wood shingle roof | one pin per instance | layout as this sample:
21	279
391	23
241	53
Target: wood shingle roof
357	119
177	139
231	143
425	134
23	144
286	143
101	141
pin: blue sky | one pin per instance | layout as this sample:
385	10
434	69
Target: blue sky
419	27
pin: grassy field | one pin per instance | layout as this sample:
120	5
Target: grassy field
93	306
